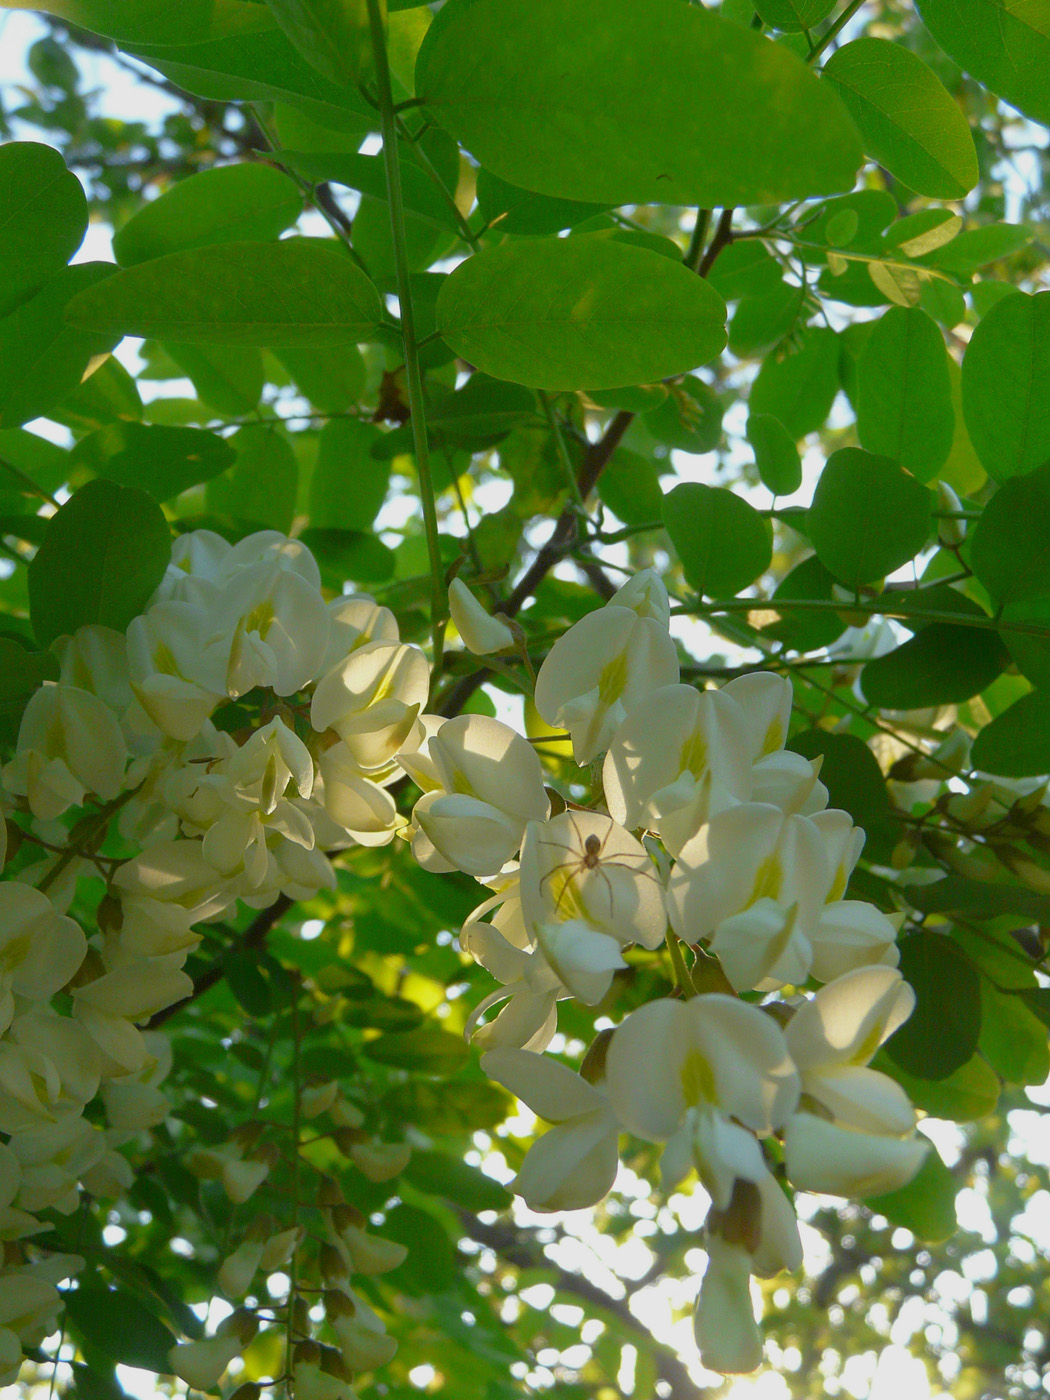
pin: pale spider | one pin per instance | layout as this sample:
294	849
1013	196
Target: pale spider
588	857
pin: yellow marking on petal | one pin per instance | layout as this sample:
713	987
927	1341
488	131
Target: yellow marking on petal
774	739
698	1080
767	881
694	754
612	680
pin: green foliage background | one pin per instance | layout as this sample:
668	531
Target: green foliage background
883	340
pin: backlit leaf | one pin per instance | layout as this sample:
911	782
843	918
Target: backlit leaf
559	96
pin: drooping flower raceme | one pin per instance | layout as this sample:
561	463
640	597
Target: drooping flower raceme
247	730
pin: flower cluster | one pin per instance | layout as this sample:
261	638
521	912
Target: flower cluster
243	729
715	838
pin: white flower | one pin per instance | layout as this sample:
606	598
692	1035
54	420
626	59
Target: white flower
372	699
69	744
574	1164
40	950
584	867
355	620
531	988
479	631
645	594
28	1306
599	671
859	1138
177	672
355	802
703	1076
754	882
491	785
681	756
95	658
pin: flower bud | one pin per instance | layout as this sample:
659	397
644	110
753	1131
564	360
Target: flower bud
238	1270
329	1192
370	1254
200	1364
381	1161
240	1180
950	532
347	1114
318	1099
332	1265
479	631
724	1322
278	1249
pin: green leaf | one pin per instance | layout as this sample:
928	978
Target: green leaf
43	220
941	665
231	384
1016	744
744	269
851	773
966	1095
800	386
120	1326
103	554
1005	381
690	417
907	119
923	232
793	16
943	1030
868	517
331	379
427	1050
723	543
579	313
514	210
462	1185
630	487
904	393
1010	544
247	981
349	485
263	485
419	193
162	461
1004	44
762	322
158	21
978	247
109	393
252	66
776	455
1013	1040
21	671
800	630
926	1206
42	357
230	203
298	293
559	96
332	35
430	1266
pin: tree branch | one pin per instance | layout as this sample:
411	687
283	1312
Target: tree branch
513	1246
